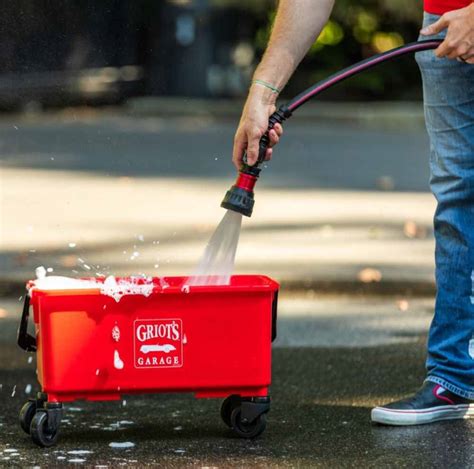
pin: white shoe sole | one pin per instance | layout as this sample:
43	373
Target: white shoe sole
419	417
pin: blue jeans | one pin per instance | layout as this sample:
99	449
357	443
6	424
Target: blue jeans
448	90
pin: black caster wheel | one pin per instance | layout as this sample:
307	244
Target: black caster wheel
247	429
230	403
27	413
41	432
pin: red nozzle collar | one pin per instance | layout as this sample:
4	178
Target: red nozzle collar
246	182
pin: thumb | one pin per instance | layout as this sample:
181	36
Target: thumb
436	27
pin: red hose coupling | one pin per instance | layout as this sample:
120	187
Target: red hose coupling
246	182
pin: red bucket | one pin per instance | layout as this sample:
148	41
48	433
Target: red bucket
214	341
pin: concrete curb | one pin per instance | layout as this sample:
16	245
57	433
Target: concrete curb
10	288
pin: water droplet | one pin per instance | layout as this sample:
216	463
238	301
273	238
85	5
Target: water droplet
118	363
116	333
40	272
122	444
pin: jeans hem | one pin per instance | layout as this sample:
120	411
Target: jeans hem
451	387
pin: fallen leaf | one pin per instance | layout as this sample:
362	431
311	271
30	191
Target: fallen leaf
412	230
369	275
402	305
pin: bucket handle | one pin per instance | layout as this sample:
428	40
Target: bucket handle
25	340
274	315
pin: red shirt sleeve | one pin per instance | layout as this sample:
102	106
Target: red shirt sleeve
439	7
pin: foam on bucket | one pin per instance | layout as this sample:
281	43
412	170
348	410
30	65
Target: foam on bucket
115	288
63	283
118	289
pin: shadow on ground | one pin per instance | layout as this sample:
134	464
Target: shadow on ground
311	155
20	263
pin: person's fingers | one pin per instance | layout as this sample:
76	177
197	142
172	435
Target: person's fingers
278	129
445	48
238	152
252	148
268	154
467	59
449	45
460	51
453	54
466	52
436	27
273	137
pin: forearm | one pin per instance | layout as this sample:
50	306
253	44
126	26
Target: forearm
297	25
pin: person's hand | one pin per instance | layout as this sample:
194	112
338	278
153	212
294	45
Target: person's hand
459	41
253	124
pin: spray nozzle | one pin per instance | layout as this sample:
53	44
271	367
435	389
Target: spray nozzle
239	197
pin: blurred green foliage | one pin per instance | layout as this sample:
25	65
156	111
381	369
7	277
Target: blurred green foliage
356	30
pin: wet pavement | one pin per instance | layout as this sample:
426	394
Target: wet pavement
322	392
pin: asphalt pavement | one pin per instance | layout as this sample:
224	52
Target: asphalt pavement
318	155
344	204
357	352
338	198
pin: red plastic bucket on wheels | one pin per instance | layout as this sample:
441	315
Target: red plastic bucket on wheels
213	341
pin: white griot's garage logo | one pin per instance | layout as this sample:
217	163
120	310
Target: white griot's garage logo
158	343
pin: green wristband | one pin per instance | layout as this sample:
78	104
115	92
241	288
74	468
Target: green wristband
267	85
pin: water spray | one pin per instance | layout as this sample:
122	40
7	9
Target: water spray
240	197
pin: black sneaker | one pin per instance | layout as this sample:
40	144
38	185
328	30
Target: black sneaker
430	404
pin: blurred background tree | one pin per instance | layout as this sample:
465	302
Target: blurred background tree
63	51
356	30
